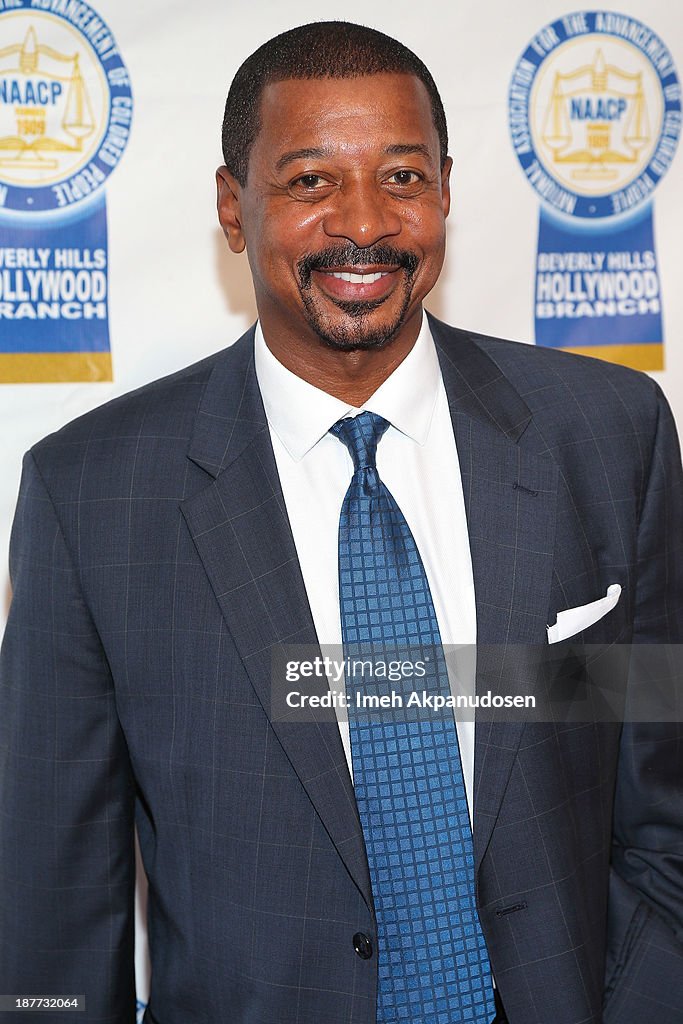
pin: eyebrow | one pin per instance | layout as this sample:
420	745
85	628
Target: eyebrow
398	149
408	148
300	154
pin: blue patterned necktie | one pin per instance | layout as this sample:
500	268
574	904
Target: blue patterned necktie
433	963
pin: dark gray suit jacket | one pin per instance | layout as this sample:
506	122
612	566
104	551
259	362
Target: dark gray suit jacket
154	569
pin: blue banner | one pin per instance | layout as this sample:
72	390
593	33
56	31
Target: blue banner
53	285
596	288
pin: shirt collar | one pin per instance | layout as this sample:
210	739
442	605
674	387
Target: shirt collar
301	414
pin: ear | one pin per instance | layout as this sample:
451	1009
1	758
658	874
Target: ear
446	185
229	212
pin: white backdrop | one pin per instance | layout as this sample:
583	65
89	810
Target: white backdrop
177	294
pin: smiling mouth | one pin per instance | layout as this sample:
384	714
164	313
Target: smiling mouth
369	285
350	273
354	278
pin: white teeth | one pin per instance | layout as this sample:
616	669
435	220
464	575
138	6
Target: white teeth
360	278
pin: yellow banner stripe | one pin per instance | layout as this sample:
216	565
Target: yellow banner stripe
54	367
638	357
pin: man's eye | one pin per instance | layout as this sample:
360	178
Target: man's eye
405	178
309	182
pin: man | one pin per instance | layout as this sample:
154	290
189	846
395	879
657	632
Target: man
167	543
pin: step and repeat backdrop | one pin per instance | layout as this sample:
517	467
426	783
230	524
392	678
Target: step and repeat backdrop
565	228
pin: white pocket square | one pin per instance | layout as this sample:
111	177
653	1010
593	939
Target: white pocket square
573	620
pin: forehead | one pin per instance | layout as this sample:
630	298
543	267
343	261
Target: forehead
345	113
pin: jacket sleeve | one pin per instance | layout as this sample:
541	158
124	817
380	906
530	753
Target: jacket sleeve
67	867
645	945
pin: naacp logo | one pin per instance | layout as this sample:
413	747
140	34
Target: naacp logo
595	113
65	105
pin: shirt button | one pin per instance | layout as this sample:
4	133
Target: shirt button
362	945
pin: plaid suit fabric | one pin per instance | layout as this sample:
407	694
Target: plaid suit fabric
408	781
153	570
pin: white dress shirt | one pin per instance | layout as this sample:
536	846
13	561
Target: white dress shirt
418	462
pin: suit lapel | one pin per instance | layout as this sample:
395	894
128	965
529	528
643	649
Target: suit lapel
241	531
510	499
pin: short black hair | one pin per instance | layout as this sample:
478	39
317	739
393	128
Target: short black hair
323	49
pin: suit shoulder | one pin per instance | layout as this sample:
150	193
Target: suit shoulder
556	362
158	417
124	413
166	405
551	380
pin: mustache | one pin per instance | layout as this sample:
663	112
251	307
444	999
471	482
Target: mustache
353	256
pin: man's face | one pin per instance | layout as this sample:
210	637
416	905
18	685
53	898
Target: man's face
343	214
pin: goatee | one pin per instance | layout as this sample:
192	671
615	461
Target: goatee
356	333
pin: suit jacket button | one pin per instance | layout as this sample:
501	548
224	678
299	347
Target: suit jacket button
362	945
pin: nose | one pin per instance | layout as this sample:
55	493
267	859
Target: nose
362	213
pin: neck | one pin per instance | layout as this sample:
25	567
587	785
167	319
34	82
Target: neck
351	376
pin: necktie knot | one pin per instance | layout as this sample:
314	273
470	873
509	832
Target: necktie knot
361	435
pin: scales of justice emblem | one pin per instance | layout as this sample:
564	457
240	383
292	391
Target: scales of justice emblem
49	127
595	119
600	94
